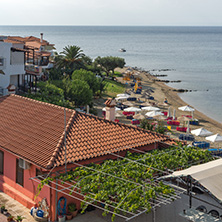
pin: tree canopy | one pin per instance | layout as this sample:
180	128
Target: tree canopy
79	92
109	63
70	59
89	77
49	93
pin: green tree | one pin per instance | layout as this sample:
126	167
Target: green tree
50	93
70	59
109	63
80	93
55	74
146	124
89	77
87	60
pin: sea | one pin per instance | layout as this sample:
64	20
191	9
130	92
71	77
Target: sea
190	54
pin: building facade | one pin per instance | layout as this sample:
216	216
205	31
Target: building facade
12	67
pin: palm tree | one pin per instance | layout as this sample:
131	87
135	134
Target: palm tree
70	58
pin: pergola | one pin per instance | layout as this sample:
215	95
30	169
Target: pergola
72	187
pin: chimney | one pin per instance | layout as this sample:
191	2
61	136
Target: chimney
110	109
41	38
87	109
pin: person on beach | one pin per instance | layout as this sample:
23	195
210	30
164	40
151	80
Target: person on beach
165	100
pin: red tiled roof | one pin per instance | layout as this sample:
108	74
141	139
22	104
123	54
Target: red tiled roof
31	129
30	40
110	102
34	131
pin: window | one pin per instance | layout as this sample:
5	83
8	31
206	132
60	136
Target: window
39	173
19	174
1	62
1	162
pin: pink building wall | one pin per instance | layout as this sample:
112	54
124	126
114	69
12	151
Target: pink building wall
24	194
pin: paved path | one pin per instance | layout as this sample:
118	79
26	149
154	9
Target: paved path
14	208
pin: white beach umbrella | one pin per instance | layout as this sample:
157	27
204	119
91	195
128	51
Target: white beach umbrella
139	116
121	98
169	112
215	138
150	108
174	114
119	115
123	95
128	103
201	132
186	108
132	109
160	118
154	113
116	109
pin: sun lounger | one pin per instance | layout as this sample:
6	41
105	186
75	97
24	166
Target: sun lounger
194	122
181	129
216	152
201	144
131	99
165	113
187	137
135	122
174	123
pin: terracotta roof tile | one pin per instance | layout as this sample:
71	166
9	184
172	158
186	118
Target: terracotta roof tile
34	131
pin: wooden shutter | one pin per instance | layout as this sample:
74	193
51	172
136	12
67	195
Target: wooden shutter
19	174
1	162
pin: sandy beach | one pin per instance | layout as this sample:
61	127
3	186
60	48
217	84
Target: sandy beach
161	91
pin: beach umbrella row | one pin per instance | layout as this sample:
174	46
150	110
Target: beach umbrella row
214	138
154	113
132	109
116	109
150	108
201	132
187	109
123	95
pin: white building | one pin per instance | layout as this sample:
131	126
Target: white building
12	68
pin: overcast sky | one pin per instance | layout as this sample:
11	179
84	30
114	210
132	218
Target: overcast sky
111	12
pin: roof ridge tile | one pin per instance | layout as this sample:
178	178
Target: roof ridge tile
58	147
41	102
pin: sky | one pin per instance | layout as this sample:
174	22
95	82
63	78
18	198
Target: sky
112	12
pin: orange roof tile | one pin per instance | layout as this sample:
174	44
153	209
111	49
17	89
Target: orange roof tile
34	131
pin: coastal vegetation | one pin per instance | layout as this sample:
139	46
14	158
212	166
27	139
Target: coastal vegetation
129	184
149	125
109	63
76	79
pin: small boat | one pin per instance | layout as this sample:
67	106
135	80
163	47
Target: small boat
122	50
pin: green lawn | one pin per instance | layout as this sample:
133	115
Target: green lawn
113	88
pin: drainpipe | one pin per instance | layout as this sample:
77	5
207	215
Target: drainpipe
56	199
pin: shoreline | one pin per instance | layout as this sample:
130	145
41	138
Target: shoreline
162	90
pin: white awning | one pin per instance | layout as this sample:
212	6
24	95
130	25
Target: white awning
208	175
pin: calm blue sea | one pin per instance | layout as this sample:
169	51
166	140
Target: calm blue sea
194	54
